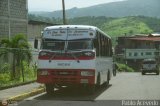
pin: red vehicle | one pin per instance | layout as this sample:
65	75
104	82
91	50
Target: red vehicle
74	56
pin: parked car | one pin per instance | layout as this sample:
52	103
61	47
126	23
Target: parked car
149	66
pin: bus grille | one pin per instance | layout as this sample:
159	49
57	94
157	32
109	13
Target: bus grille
64	73
71	80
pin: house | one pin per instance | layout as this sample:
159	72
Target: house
133	49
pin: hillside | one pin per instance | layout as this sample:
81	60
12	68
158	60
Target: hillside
119	26
128	25
113	26
116	27
115	9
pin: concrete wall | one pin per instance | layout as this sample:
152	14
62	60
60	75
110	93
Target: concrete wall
35	28
34	31
13	17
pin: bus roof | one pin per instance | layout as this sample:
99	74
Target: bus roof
93	28
71	27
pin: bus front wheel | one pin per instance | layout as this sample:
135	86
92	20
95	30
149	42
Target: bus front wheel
98	82
49	89
91	89
108	78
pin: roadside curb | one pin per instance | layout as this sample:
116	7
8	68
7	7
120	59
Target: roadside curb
27	94
20	97
16	85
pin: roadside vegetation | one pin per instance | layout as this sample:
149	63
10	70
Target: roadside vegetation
15	61
124	68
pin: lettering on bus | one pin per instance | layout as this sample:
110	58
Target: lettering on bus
69	33
56	33
77	33
63	64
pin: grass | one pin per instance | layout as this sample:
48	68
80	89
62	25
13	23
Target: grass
124	68
126	25
7	80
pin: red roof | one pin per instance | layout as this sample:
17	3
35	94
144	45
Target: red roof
146	38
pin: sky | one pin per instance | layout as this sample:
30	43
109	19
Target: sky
53	5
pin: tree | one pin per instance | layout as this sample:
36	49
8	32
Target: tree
18	49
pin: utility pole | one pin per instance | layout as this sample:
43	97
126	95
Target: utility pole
125	48
125	52
9	21
64	14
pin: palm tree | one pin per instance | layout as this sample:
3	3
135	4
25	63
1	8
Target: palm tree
18	48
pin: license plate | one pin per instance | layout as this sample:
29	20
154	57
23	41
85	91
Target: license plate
63	73
84	81
63	64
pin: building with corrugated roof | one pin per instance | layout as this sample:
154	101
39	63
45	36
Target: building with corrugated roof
133	49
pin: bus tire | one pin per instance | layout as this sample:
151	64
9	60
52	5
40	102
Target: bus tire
98	82
157	72
143	73
108	77
114	72
49	89
91	89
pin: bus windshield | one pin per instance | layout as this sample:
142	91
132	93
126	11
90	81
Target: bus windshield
80	44
53	45
72	45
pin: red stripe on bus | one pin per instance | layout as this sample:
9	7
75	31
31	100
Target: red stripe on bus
65	58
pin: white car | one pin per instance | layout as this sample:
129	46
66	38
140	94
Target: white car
149	66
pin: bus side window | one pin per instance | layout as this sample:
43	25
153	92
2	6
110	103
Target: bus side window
36	43
96	46
100	45
110	48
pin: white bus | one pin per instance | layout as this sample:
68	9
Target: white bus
74	56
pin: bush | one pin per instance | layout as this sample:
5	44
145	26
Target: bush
5	68
4	78
124	68
29	71
5	74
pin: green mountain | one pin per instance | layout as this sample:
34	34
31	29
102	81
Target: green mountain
126	25
119	26
115	9
116	27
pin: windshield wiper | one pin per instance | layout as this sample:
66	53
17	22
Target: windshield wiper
52	57
75	57
72	54
55	53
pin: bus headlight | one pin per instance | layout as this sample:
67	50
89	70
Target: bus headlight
43	53
87	73
88	54
44	72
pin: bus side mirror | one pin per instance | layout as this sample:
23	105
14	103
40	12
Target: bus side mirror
36	43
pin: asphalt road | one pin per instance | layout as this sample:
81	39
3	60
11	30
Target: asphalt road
125	86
